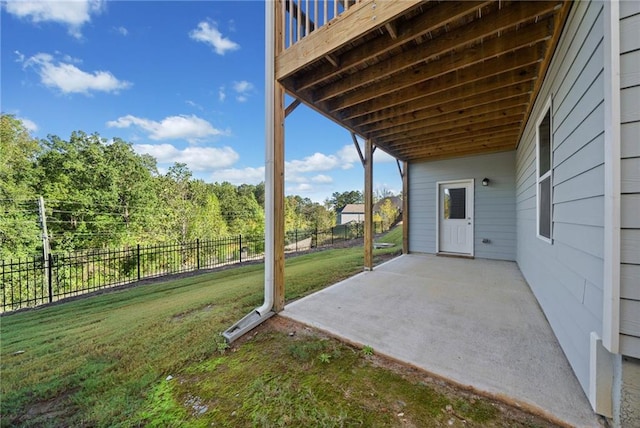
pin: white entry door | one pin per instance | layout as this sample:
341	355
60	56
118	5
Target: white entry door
455	225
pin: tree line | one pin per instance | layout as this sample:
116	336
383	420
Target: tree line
101	193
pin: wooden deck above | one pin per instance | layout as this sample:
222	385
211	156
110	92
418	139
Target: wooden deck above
422	79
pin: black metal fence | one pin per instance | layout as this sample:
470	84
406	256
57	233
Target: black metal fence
33	281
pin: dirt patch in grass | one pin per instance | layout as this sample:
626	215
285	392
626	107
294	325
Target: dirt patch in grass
47	413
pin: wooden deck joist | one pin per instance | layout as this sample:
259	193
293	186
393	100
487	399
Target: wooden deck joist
427	79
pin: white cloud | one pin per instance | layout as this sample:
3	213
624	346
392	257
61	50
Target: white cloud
70	79
29	125
243	89
72	13
242	86
300	188
194	105
349	155
381	156
196	158
293	178
316	162
221	94
236	176
69	59
121	30
20	56
322	179
190	128
208	33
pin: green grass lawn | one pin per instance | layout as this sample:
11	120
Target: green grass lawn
104	360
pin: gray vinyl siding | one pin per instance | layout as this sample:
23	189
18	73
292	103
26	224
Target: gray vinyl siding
630	178
567	275
494	205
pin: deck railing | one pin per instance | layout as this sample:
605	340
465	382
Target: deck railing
302	17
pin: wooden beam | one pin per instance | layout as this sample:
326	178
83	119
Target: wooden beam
391	29
458	40
450	89
359	19
487	145
490	52
278	179
439	131
471	107
437	16
462	153
424	142
480	71
333	60
405	208
368	205
459	119
474	145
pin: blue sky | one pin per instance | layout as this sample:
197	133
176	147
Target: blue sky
181	80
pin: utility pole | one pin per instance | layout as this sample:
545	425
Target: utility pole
45	240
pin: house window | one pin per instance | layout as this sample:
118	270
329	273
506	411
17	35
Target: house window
544	175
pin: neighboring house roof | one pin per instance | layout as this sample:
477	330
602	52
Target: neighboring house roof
353	209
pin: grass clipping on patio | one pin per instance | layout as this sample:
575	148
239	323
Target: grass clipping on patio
152	356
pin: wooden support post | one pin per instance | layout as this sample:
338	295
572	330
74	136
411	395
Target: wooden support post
278	170
368	205
405	208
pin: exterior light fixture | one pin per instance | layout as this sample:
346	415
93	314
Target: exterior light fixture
485	181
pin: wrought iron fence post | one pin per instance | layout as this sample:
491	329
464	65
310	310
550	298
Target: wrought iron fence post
138	261
50	279
296	235
198	252
240	237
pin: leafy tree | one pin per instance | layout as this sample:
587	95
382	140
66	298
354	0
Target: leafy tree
178	205
387	213
381	193
206	221
98	194
19	231
339	200
136	189
304	214
240	208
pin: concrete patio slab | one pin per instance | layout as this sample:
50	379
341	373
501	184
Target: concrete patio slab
475	322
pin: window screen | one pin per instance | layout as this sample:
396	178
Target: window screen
545	208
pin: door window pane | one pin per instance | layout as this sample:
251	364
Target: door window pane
455	203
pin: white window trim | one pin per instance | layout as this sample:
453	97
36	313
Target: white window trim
549	174
612	174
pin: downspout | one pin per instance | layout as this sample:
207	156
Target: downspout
269	119
264	312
